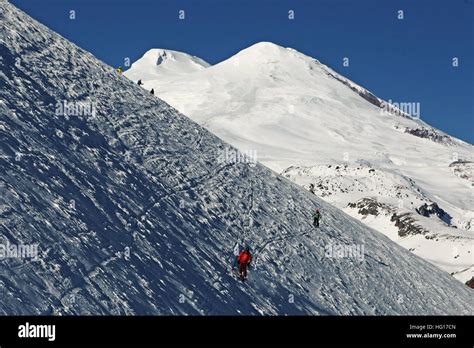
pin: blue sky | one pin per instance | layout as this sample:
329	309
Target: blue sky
408	60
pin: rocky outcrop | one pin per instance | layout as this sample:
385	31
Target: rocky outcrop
405	222
370	206
360	91
406	225
428	210
463	169
430	134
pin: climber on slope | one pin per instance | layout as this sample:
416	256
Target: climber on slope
139	82
119	70
152	91
316	218
244	260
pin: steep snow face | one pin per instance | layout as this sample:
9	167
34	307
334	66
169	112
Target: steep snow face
158	63
135	209
300	117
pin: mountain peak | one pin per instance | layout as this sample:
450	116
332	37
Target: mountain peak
161	55
161	62
263	49
266	45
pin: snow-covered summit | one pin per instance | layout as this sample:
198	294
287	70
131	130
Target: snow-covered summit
263	50
157	62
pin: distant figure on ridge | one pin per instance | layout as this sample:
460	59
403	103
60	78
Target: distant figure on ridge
152	91
316	218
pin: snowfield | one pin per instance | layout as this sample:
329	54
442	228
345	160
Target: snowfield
303	119
133	212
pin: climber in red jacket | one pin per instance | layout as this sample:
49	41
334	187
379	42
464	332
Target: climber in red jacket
244	260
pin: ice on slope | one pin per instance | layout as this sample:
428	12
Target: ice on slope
295	112
155	214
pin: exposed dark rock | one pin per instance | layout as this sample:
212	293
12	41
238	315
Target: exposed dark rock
433	209
369	206
460	162
463	169
429	134
405	222
406	225
363	93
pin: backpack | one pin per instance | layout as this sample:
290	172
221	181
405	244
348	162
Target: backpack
245	257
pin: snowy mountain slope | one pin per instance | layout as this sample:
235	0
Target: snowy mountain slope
381	200
134	213
300	116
